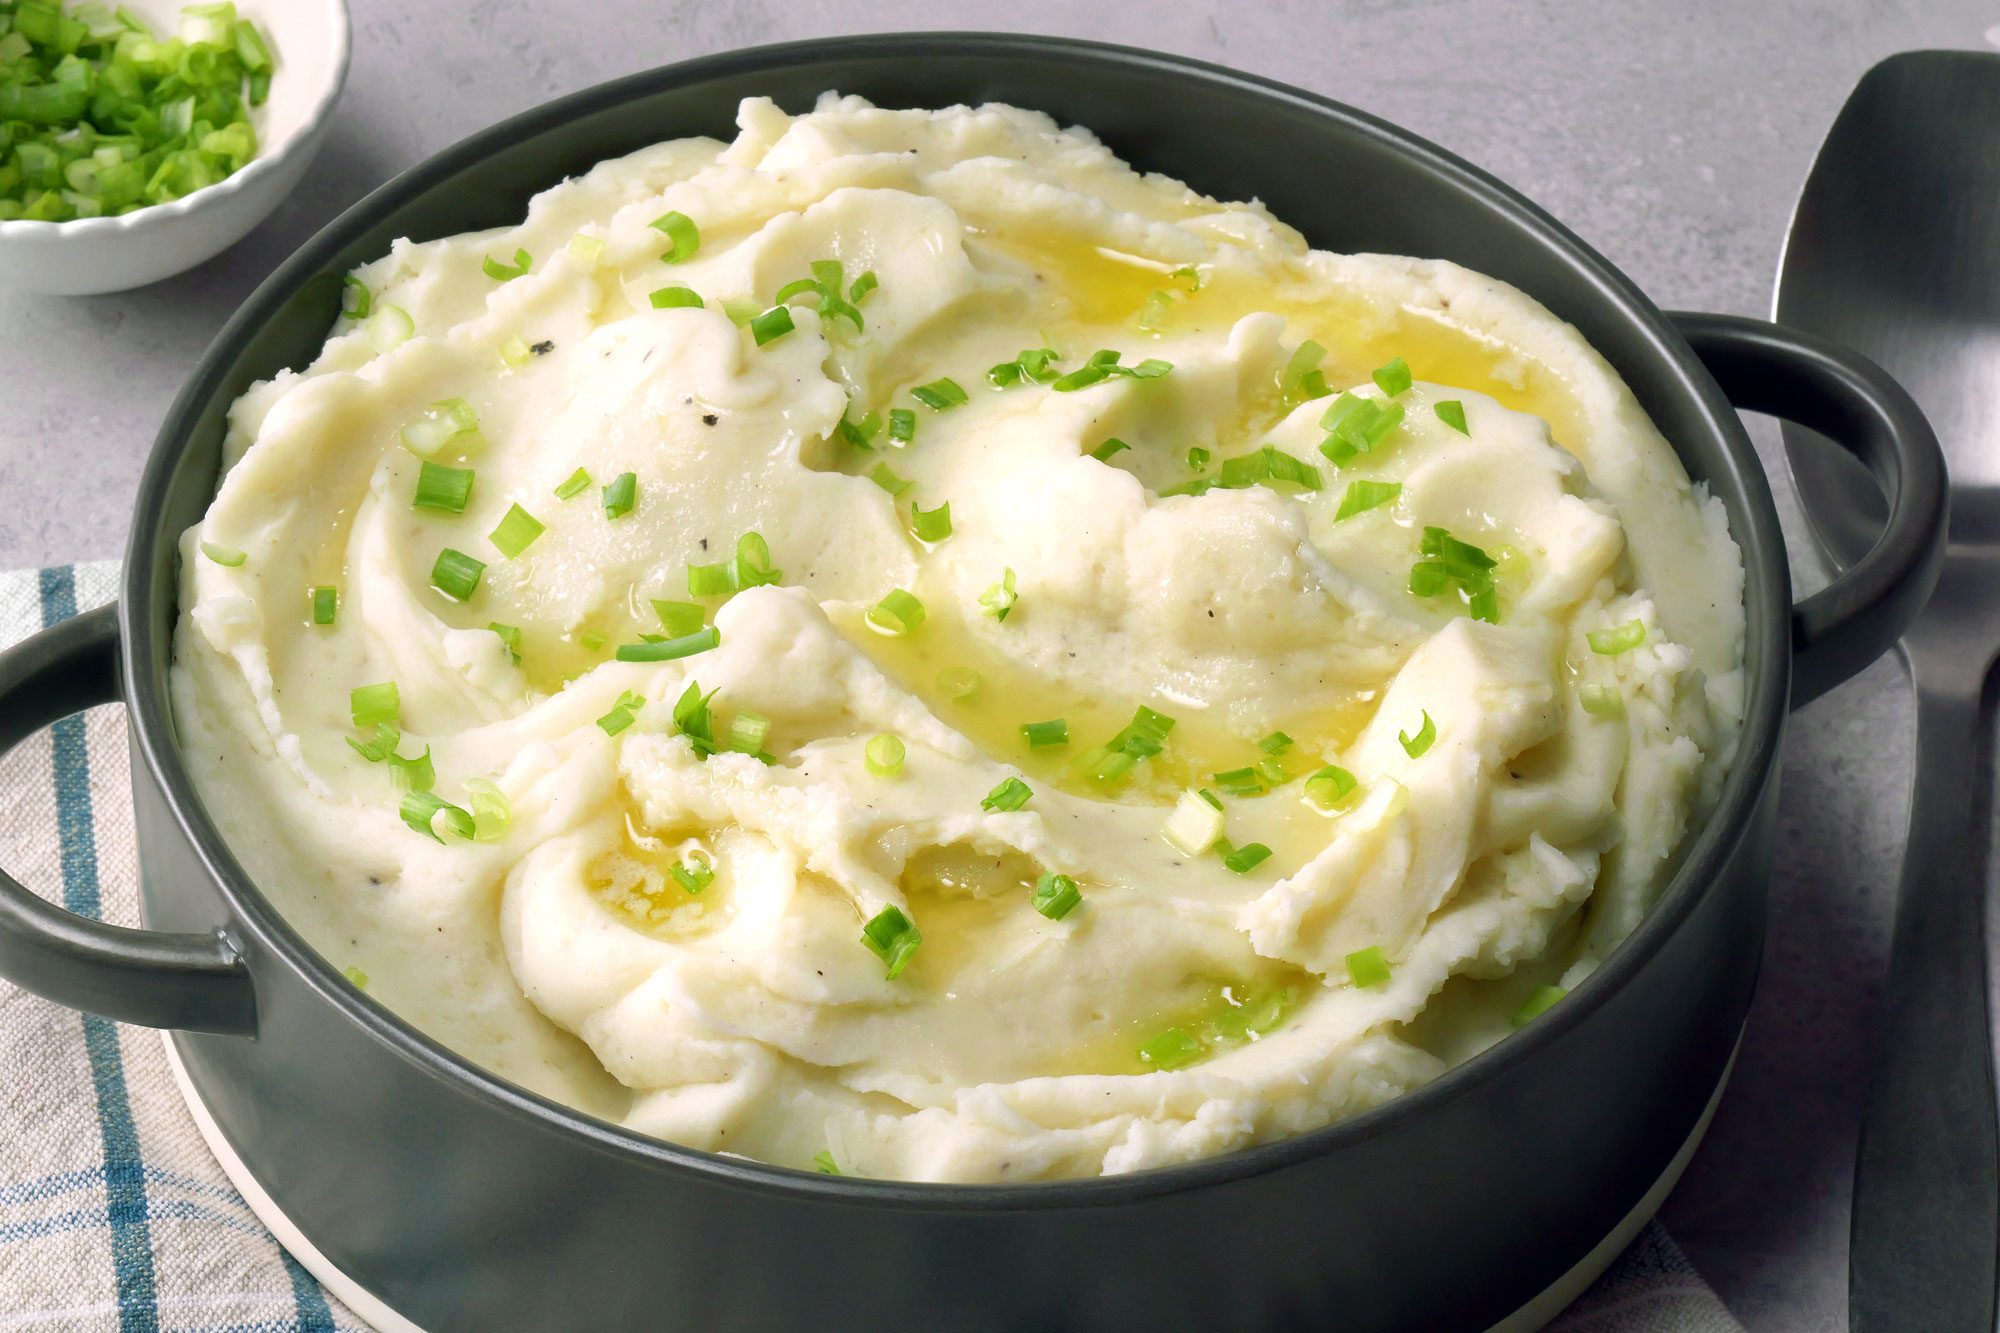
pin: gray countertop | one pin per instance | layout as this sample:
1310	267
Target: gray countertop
1673	137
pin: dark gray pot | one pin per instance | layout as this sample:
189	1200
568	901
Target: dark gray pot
468	1204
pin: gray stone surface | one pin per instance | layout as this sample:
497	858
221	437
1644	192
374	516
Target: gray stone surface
1671	136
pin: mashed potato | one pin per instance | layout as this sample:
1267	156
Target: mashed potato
1373	706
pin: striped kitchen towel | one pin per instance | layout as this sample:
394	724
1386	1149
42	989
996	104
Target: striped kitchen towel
113	1215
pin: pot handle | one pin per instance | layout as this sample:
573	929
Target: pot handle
1802	378
196	981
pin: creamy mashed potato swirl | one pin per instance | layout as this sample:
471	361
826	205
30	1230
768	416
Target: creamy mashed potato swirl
672	938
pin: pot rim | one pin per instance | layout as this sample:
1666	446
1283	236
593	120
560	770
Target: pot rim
1767	649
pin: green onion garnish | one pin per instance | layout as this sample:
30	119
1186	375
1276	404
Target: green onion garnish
1539	1002
1009	795
1034	366
773	324
456	574
420	810
1624	638
1053	732
1393	378
1275	743
716	580
622	713
515	352
1602	701
893	937
1448	562
1194	825
1246	858
1197	458
693	873
863	285
679	618
621	495
680	229
1056	896
1368	967
889	479
860	434
591	640
883	755
370	704
1331	788
825	283
1452	413
958	683
516	532
500	272
1414	746
694	719
416	774
447	421
1363	496
1189	274
355	977
999	599
1302	380
1172	1049
824	1160
226	556
902	424
325	605
675	298
577	484
897	614
939	395
442	488
1142	738
1356	425
1103	365
354	298
387	737
1102	453
931	525
1153	312
669	650
509	635
490	812
1264	466
747	732
1240	782
389	328
587	249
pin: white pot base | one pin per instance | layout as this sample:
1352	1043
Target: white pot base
380	1317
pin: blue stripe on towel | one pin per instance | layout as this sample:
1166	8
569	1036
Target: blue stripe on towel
124	1173
314	1314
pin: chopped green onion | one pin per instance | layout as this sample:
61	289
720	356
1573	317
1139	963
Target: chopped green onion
680	229
1539	1002
958	683
325	605
902	424
883	755
577	484
679	618
444	422
932	525
747	732
1266	465
1142	738
897	614
1602	701
863	285
1452	413
500	272
355	977
860	434
416	774
1246	858
675	298
893	937
1356	425
1273	771
420	810
622	713
1624	638
1102	366
387	737
621	495
1332	788
1363	496
591	640
999	599
589	250
694	719
824	1160
716	580
1173	1049
515	352
825	284
389	328
1153	312
1189	274
1056	896
693	873
1009	795
1240	782
227	556
1393	378
509	635
354	298
1368	967
670	650
1302	379
773	324
939	395
516	532
888	479
456	574
1197	458
1102	453
1275	743
1449	562
1194	825
1053	732
1415	746
369	704
442	488
1035	366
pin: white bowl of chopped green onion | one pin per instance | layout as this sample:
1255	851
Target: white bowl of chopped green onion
139	139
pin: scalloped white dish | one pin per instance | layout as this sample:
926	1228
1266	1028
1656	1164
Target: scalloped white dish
311	40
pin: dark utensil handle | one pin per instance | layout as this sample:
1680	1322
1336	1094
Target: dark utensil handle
161	980
1802	378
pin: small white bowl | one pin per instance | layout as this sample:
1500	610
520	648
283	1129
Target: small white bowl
310	40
